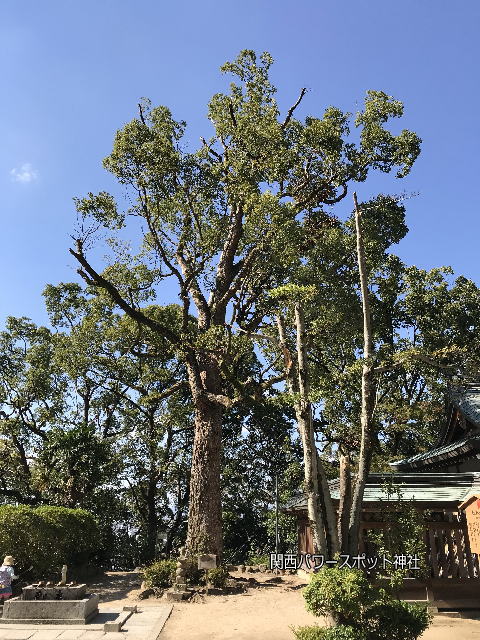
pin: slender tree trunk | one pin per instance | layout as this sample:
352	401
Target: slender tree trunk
205	509
150	494
345	502
152	524
320	510
368	392
303	411
333	545
314	510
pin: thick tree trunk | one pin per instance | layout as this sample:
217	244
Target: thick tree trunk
368	392
205	509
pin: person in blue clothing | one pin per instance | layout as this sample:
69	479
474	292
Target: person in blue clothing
7	574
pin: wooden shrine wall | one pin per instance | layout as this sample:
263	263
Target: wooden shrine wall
447	545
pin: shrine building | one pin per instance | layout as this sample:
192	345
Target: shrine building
443	482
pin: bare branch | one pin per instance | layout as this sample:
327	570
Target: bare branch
261	336
292	109
210	150
99	281
140	111
219	398
267	384
232	114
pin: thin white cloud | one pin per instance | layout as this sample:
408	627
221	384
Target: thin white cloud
26	173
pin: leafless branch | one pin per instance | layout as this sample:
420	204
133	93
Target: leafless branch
292	109
232	114
92	277
210	150
140	111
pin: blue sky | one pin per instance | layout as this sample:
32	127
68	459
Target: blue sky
72	73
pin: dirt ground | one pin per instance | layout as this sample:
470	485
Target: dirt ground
265	611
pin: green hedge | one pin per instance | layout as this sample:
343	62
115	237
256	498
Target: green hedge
47	537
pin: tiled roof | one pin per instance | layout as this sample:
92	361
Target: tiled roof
421	487
457	449
467	399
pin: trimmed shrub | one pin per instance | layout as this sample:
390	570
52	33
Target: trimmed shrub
160	574
47	537
217	577
341	593
341	632
396	620
360	608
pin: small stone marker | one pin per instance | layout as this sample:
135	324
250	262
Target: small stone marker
64	575
207	561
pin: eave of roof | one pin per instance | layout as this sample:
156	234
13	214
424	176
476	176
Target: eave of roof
448	453
426	488
467	399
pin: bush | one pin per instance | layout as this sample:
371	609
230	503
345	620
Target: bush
396	620
256	560
341	632
160	574
217	577
343	594
360	608
47	537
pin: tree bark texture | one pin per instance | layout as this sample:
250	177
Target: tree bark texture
205	508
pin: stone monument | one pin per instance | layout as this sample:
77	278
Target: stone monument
179	589
47	603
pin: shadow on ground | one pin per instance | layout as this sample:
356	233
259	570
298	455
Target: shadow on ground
116	586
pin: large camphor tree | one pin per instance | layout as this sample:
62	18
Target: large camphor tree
225	223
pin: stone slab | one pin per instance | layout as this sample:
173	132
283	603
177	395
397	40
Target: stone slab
146	625
117	624
16	634
156	616
40	634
